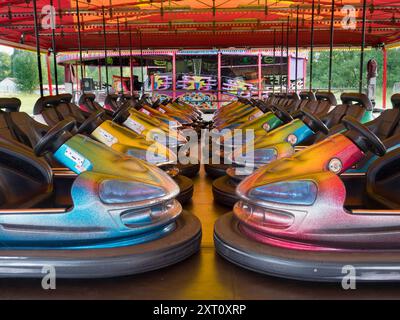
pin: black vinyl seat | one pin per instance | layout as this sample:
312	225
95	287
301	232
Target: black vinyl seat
326	101
20	129
383	180
88	103
111	102
57	108
353	104
25	180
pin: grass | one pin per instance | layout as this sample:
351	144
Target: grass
28	100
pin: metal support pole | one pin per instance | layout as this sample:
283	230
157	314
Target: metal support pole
105	47
80	44
287	56
50	84
174	75
219	87
260	86
141	60
130	61
281	59
53	44
312	44
297	49
273	64
384	77
121	70
360	87
332	28
39	61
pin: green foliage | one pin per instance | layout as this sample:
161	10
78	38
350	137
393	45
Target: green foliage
346	69
24	69
5	65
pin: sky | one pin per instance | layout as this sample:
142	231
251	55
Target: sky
5	49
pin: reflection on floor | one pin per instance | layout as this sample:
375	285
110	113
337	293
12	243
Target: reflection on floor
203	276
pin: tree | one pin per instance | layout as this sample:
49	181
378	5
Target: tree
24	67
5	65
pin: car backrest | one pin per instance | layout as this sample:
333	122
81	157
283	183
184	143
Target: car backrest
87	103
326	101
111	102
25	180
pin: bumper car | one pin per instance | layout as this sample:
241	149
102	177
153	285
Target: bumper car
274	117
225	143
284	141
233	109
119	216
153	129
144	125
298	219
27	131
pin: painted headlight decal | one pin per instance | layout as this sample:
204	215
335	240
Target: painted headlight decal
118	191
147	156
262	156
299	192
265	155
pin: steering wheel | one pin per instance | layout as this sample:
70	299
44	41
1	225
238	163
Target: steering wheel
55	137
121	115
362	137
90	123
315	123
282	114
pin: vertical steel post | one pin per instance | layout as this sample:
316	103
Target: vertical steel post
53	44
312	44
287	56
281	59
362	46
39	60
80	44
273	64
130	61
332	29
121	71
297	49
141	60
384	78
105	47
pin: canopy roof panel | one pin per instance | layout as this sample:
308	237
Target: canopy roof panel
197	23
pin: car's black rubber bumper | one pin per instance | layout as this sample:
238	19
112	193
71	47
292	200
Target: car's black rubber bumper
332	266
224	191
186	186
181	243
189	170
216	170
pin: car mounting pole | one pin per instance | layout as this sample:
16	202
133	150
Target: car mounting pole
105	47
332	29
362	46
39	60
281	58
312	43
130	61
274	56
297	48
141	60
121	71
80	45
53	44
287	56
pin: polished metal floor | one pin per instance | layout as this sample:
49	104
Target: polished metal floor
203	276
